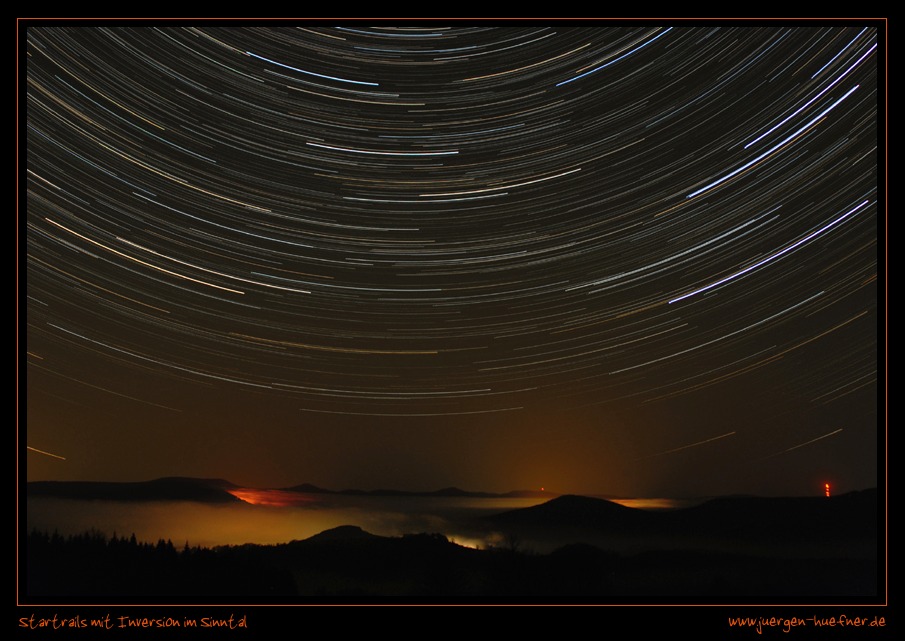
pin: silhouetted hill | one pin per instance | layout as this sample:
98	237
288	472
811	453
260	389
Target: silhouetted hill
455	491
163	489
342	533
571	511
787	518
845	524
307	488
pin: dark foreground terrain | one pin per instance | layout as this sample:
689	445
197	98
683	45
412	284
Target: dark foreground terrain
728	549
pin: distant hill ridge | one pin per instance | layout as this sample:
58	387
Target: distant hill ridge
739	517
736	517
178	488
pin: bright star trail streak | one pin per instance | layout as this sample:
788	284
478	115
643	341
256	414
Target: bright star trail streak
774	256
623	56
471	254
34	449
813	440
685	447
311	73
775	147
809	102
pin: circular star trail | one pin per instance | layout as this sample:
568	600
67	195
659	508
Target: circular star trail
655	241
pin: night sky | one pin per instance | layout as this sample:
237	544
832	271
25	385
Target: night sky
636	259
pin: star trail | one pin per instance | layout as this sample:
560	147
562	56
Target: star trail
616	257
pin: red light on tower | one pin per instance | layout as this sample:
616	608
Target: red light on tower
826	486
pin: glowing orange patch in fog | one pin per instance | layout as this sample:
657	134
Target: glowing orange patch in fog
270	498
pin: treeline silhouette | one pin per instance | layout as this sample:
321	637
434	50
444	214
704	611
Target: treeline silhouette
354	565
91	565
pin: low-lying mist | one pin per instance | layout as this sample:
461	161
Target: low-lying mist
210	525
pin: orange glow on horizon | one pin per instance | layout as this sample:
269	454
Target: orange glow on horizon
827	488
270	498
